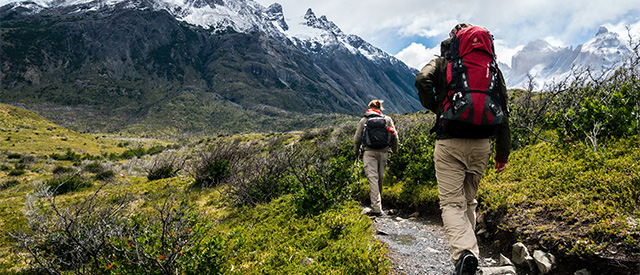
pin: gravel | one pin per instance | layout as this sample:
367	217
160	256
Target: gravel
418	245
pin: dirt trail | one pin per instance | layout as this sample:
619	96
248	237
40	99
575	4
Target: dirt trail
418	245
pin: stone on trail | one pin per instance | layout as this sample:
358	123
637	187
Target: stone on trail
544	260
520	255
502	270
505	261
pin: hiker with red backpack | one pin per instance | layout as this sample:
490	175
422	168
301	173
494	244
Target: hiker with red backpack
467	92
377	135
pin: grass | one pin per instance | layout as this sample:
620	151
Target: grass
24	132
273	239
575	200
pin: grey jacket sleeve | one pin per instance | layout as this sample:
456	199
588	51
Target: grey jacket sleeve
357	138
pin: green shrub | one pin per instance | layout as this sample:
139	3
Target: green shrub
165	167
325	179
107	175
94	167
173	238
216	165
98	235
261	178
16	172
70	155
8	184
62	170
63	184
14	156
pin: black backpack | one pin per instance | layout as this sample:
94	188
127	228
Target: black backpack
473	107
375	134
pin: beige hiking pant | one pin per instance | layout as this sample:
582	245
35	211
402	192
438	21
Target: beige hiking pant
460	164
374	163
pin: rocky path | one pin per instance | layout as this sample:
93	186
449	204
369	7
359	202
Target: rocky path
417	245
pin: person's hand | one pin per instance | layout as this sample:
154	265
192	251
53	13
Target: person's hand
500	166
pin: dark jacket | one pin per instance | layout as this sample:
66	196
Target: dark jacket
431	82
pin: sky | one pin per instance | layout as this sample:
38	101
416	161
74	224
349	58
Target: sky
411	30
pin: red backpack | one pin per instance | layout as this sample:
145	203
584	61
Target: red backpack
473	107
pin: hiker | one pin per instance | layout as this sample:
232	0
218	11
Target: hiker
462	151
377	134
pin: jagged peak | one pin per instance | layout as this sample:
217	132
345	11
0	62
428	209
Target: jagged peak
309	14
274	13
602	30
321	22
536	45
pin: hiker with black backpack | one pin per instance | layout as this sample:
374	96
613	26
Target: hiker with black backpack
467	92
378	136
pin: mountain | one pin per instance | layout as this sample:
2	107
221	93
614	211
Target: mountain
210	66
550	64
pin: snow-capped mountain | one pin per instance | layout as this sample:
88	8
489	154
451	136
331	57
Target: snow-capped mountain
548	64
244	54
243	16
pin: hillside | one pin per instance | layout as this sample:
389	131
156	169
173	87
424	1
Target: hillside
24	132
130	65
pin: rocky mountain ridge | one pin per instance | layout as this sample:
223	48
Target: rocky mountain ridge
132	63
549	64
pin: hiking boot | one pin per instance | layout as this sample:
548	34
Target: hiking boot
466	264
374	214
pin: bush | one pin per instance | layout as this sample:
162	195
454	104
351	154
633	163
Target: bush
216	165
99	235
94	167
260	178
14	156
16	172
63	184
62	170
70	155
325	180
8	184
165	167
108	175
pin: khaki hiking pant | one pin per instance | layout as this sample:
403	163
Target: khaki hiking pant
374	163
460	164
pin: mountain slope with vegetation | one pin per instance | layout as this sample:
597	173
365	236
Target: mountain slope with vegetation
131	66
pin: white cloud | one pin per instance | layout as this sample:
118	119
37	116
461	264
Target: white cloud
554	41
624	30
417	55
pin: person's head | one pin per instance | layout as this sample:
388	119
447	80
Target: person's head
458	27
376	104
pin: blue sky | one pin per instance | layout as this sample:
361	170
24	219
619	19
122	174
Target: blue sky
412	29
